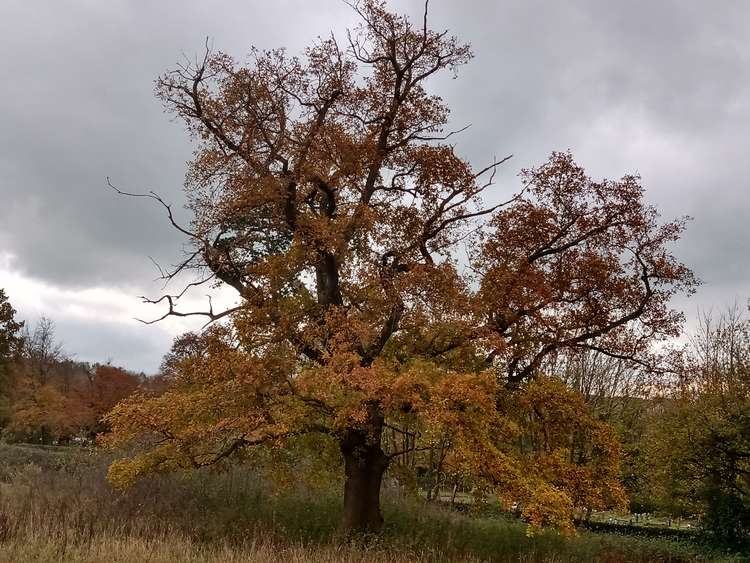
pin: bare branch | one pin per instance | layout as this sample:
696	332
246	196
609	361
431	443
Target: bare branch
492	166
157	198
172	312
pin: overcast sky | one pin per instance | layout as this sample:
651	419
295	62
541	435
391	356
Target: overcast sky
658	87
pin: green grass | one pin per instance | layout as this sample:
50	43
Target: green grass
56	505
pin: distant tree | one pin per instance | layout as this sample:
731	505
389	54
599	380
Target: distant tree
41	350
40	409
323	192
10	348
106	386
10	329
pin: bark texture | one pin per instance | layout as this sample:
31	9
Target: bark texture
364	466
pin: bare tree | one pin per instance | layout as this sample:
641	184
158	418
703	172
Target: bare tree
41	349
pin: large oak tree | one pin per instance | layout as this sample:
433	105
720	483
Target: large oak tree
375	285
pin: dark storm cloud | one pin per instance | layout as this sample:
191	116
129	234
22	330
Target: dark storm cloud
660	88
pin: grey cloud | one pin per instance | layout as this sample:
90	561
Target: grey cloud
546	73
138	348
80	107
661	88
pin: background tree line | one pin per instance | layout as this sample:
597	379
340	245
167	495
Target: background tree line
47	397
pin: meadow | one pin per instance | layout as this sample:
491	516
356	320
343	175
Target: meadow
56	505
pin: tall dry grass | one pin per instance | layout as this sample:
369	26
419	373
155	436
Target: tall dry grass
55	505
176	548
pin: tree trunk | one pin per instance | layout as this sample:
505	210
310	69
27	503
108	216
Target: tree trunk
364	465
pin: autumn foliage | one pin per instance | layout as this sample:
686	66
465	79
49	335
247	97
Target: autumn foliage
325	193
46	397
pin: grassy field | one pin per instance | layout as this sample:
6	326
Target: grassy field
55	505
